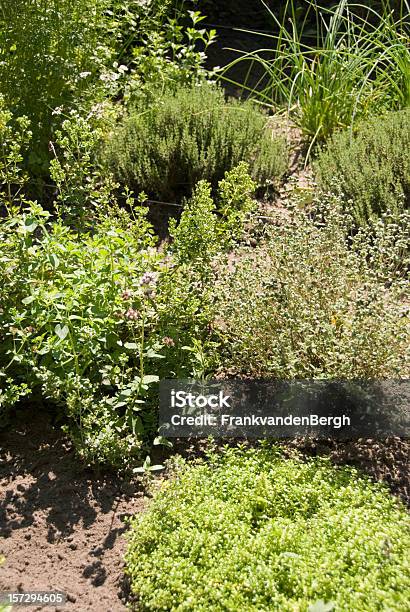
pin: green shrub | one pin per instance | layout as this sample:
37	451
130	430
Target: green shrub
201	233
82	191
14	138
63	54
371	168
307	304
84	323
50	51
69	329
250	530
91	321
165	148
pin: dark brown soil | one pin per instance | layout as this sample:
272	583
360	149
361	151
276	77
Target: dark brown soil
61	525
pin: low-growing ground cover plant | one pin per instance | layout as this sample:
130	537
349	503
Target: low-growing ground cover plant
251	530
311	301
369	166
192	134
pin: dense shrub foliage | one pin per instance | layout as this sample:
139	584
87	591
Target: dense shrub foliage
194	134
15	134
249	530
62	55
49	53
307	304
370	167
66	328
93	320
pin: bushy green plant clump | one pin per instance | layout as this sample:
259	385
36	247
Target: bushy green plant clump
250	530
49	52
166	147
14	137
69	329
92	321
201	233
60	55
310	302
79	323
370	167
142	16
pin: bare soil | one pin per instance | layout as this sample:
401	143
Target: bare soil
61	525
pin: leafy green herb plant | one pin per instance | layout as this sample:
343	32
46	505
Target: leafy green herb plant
166	147
312	302
369	166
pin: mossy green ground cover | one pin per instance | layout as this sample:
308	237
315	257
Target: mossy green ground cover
252	530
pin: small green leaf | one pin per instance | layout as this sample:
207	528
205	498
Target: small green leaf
28	299
149	379
130	345
137	426
55	262
156	468
321	606
30	224
160	440
61	332
151	354
43	351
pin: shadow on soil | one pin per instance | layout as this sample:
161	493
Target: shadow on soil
68	520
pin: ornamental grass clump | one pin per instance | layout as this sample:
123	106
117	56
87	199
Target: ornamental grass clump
252	530
330	66
194	134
